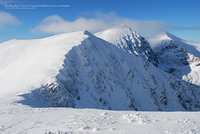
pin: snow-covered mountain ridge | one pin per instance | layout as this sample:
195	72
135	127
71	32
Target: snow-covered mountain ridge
84	71
32	63
130	41
177	56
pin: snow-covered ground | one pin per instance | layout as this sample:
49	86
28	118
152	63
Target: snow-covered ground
20	119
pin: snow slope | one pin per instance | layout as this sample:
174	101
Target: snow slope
28	64
177	56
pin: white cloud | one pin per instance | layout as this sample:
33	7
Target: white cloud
101	21
7	19
187	28
53	18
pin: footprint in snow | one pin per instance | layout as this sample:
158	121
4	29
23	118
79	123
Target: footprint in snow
187	126
141	119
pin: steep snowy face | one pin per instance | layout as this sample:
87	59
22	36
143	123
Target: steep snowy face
97	74
173	56
171	53
128	40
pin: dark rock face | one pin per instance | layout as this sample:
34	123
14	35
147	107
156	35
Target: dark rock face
129	41
172	53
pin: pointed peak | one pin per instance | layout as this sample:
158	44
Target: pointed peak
161	33
165	33
86	32
121	27
160	36
118	32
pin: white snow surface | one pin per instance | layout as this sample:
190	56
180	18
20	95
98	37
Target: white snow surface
82	71
16	118
176	54
28	64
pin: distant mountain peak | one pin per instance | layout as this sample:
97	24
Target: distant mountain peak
165	32
118	31
176	56
120	26
128	40
163	35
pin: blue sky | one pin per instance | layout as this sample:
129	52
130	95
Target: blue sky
179	17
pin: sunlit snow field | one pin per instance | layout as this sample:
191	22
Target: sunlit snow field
19	119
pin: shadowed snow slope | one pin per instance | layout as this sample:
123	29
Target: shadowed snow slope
82	71
177	56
